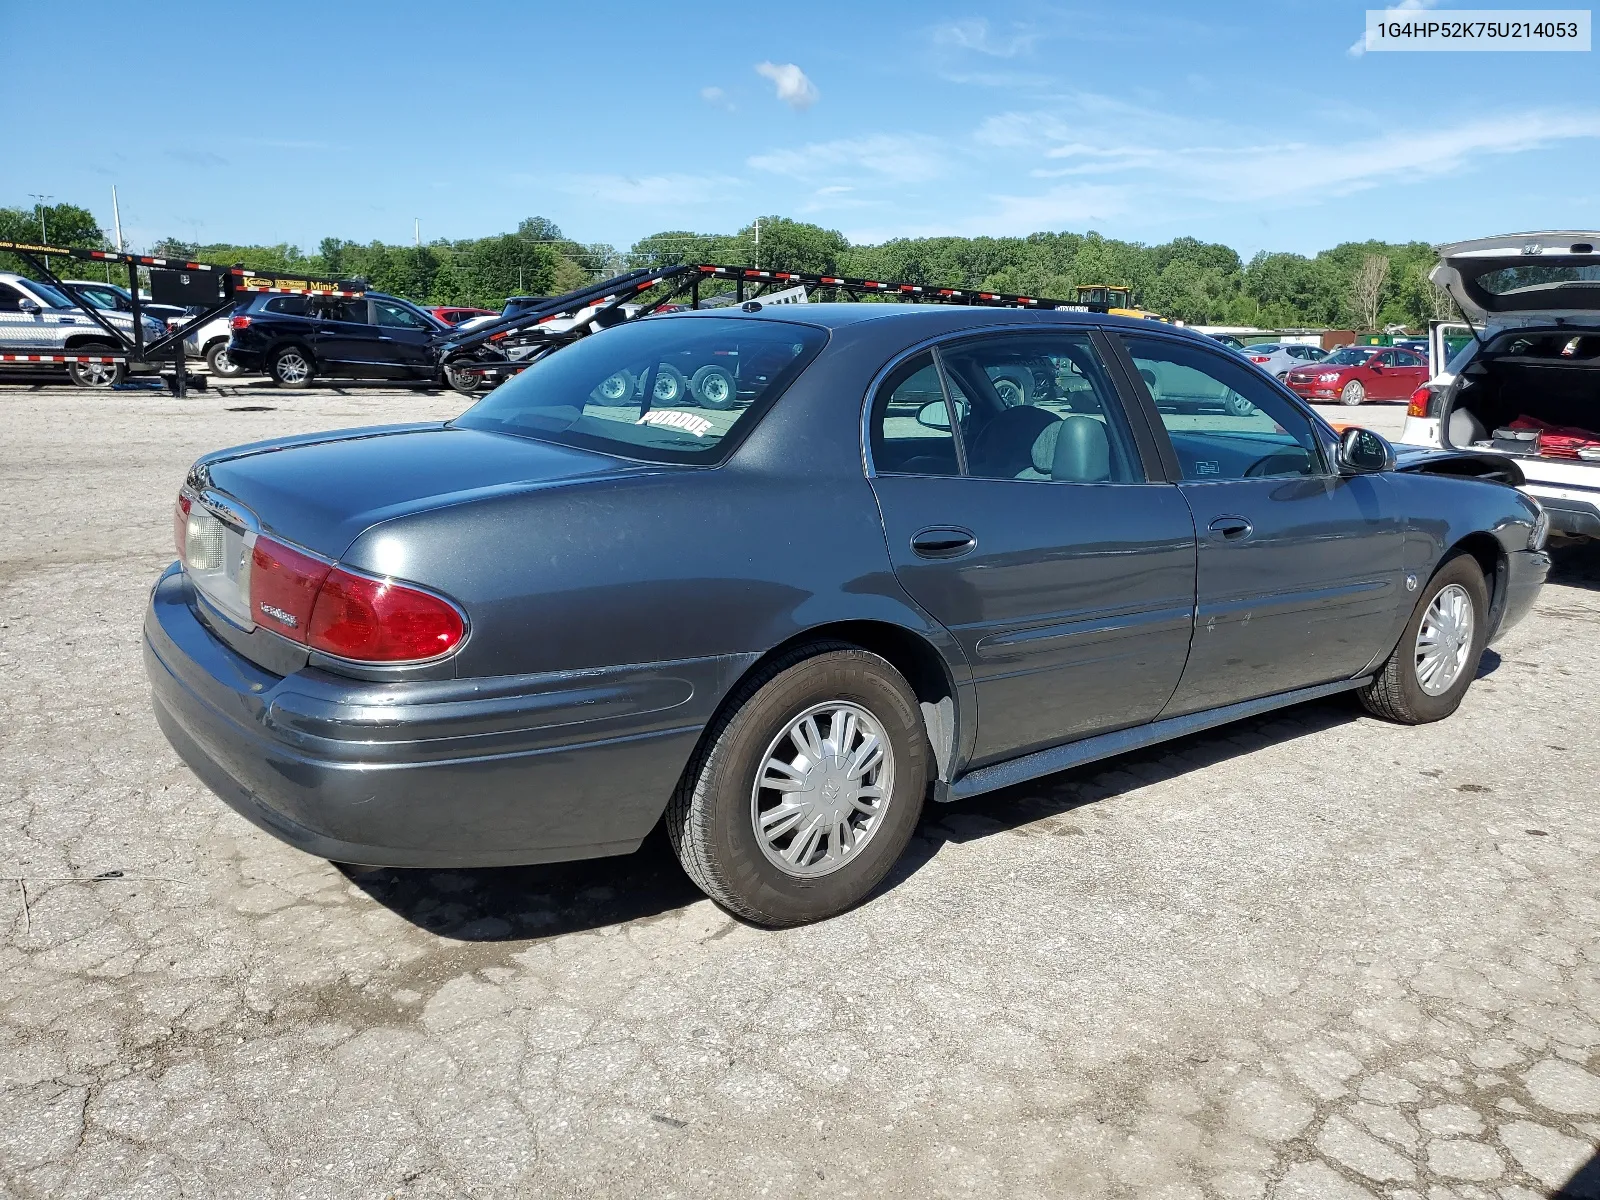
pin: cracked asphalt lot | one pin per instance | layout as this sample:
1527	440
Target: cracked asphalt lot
1312	956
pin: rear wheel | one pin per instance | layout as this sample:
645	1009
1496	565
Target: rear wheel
714	387
806	791
1437	657
616	389
468	383
95	374
220	364
1353	392
670	387
291	368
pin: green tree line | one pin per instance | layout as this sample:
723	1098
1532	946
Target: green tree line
1186	279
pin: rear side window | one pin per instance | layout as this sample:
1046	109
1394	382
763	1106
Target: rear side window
1039	407
671	389
911	431
289	306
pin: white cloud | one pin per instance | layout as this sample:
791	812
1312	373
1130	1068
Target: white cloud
976	36
793	88
711	95
666	191
888	157
1359	47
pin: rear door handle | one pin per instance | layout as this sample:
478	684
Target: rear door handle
1230	529
945	541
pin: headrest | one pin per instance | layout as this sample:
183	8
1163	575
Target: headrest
1082	452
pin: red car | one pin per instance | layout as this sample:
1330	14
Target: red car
453	315
1352	374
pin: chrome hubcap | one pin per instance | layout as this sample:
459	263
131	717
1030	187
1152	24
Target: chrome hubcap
292	368
822	790
714	388
616	388
665	390
1444	640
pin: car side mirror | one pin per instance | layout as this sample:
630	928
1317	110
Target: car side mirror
934	415
27	306
1362	452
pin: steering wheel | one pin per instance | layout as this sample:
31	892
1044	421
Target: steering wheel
1280	462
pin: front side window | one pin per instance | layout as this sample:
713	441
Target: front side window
10	298
396	316
351	312
1225	421
671	389
911	432
1039	407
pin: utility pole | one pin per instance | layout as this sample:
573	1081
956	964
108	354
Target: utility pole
416	231
758	243
40	201
116	217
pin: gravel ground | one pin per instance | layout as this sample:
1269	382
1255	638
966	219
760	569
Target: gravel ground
1312	956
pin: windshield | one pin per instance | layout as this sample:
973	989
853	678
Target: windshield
668	389
1349	356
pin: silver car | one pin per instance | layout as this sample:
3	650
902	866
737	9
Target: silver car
36	318
1279	358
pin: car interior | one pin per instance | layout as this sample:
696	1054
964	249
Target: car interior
1544	385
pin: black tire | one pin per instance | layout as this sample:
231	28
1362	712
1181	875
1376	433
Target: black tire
616	389
468	383
96	375
715	387
669	388
218	362
292	367
1014	385
711	818
1397	693
1353	393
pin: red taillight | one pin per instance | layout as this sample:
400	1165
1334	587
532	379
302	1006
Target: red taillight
180	524
283	587
1260	358
239	322
376	620
1419	402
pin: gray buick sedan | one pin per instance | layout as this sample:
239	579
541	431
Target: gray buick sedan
911	552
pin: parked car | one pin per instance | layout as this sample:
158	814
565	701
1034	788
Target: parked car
35	317
1356	374
536	631
453	315
1227	339
210	342
1279	358
293	339
1528	384
112	298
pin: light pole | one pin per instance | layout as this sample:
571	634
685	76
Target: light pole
39	201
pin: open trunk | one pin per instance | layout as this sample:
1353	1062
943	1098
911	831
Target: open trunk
1535	394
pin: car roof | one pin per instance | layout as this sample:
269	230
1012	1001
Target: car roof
937	317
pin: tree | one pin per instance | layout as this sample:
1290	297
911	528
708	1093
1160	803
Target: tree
1367	289
66	224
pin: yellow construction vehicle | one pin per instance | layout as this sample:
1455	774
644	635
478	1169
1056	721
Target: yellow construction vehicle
1116	299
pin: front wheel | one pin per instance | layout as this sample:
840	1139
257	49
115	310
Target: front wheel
804	794
468	383
291	368
1353	392
220	364
96	374
1432	667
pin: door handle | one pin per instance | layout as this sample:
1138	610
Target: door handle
947	541
1230	529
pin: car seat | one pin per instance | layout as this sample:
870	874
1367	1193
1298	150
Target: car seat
1082	451
1004	448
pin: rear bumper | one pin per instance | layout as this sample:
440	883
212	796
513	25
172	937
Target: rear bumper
444	773
247	360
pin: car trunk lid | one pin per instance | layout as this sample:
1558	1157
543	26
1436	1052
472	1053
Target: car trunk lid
321	492
1549	274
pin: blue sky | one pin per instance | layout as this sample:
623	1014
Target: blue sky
1250	124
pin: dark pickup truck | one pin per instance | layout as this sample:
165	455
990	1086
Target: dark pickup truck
296	338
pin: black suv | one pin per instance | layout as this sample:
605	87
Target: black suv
295	338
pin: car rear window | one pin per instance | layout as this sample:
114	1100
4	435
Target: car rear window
294	306
667	389
1507	280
